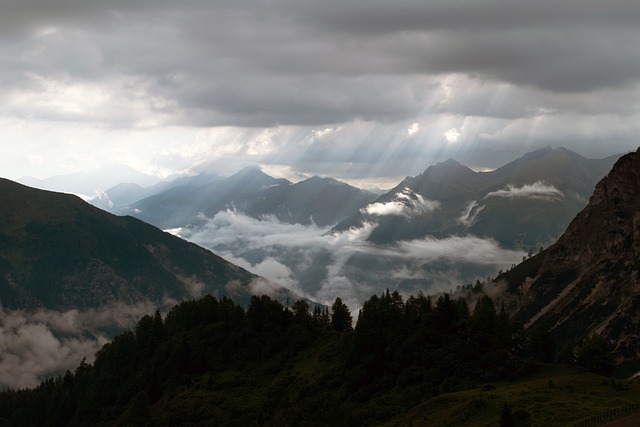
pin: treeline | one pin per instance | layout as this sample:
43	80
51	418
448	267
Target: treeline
213	362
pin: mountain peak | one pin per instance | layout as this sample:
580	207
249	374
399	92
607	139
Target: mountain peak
249	170
319	179
255	175
446	170
449	161
608	221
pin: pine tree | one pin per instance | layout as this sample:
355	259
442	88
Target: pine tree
340	316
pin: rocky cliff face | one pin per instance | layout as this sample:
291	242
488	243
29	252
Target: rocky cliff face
588	282
610	225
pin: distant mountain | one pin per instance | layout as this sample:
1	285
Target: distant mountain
87	183
323	201
524	204
589	281
59	252
126	194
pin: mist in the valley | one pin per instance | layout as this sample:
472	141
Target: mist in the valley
321	264
35	345
314	262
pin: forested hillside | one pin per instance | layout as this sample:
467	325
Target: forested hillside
212	362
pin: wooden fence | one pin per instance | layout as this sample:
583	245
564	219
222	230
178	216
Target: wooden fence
608	416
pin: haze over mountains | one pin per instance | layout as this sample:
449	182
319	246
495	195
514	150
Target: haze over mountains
442	228
524	204
445	227
92	186
323	201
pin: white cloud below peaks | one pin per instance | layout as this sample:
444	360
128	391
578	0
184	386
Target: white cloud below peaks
407	203
537	190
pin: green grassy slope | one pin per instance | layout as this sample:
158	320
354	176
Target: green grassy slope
554	396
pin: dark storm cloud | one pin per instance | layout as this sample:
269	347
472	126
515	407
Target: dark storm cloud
566	46
400	84
253	63
377	16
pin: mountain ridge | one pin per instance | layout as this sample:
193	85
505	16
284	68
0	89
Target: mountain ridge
524	204
56	251
324	201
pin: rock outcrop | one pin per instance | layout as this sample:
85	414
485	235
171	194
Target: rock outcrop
588	281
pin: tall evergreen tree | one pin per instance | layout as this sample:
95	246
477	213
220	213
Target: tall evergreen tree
340	316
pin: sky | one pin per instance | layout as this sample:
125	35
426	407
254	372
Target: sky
366	91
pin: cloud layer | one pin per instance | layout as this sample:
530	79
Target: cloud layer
406	203
323	265
38	344
537	190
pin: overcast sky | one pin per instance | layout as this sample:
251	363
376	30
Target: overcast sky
356	89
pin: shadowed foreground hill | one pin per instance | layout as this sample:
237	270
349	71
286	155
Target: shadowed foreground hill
589	281
59	252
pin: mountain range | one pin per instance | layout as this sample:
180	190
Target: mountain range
58	252
524	204
323	201
346	234
588	282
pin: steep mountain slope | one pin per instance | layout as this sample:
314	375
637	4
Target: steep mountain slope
428	204
588	282
524	204
250	191
59	252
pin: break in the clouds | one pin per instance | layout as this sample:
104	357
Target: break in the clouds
354	90
537	190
